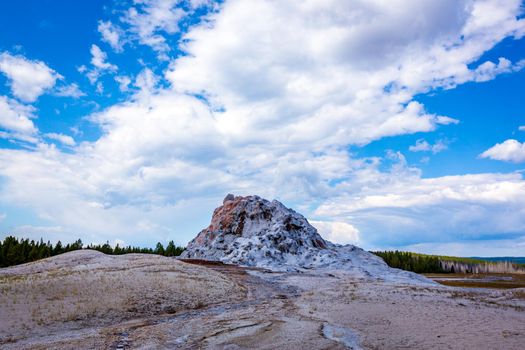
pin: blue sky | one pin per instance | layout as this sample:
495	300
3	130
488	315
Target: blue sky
129	121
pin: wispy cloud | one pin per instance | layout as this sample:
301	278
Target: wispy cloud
64	139
99	59
422	145
111	34
99	63
123	82
71	90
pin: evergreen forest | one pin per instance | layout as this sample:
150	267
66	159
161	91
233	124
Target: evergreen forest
14	251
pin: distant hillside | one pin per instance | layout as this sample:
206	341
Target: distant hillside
423	263
512	259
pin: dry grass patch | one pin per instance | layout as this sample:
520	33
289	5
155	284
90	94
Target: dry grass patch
93	289
486	280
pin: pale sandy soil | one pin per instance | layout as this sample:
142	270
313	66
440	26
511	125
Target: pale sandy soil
81	291
147	302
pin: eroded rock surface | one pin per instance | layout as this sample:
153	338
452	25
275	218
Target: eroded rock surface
253	231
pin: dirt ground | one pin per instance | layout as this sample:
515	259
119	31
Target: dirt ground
149	302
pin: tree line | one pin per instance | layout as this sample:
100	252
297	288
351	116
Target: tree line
418	263
14	251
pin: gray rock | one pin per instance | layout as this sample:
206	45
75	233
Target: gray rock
253	231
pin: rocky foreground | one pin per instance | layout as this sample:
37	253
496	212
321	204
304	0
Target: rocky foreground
283	287
87	300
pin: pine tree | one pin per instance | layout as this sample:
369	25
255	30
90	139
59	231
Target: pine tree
159	249
170	249
58	249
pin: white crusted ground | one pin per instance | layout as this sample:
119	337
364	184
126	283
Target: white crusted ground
87	300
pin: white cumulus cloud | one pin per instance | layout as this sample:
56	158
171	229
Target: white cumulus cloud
337	232
150	19
509	151
15	119
267	99
313	71
28	79
489	70
405	209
